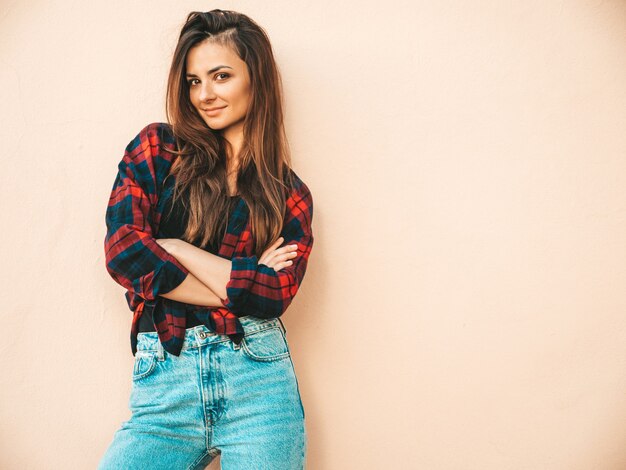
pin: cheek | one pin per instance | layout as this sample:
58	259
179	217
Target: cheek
243	102
194	95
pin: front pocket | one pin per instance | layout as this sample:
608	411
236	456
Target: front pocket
265	345
145	363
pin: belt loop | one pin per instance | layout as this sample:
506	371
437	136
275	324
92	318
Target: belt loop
282	325
160	350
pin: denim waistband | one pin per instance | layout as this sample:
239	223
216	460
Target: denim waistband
199	335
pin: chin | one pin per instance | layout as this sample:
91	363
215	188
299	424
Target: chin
215	126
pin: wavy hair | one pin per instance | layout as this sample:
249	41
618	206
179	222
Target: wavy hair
264	179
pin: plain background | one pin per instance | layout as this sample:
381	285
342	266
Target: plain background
464	306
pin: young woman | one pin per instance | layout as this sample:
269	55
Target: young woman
209	231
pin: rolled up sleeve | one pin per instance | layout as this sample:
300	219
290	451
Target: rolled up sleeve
133	257
258	290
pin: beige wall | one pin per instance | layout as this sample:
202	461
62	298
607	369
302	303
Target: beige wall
464	304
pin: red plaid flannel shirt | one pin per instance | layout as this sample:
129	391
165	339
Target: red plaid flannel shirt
138	263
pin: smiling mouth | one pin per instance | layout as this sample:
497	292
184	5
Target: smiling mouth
213	110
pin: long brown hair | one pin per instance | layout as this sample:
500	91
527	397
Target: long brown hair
264	178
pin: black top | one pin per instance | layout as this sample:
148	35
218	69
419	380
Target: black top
173	226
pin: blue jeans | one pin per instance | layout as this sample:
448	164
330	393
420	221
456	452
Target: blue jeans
240	401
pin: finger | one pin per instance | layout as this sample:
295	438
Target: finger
270	248
286	249
284	259
280	256
285	255
277	243
288	255
267	256
282	265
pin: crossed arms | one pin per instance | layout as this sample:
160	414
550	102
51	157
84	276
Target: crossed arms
138	261
209	273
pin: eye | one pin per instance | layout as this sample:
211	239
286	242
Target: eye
192	80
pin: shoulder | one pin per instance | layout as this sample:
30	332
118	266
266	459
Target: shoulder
296	183
147	156
299	187
151	139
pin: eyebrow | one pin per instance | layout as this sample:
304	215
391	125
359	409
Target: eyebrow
214	69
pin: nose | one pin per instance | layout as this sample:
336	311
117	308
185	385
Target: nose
206	92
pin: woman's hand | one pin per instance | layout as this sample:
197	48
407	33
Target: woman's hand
279	258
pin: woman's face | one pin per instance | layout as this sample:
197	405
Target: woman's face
218	78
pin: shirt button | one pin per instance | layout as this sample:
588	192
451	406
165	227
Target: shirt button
202	335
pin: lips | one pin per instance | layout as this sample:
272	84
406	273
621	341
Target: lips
213	110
